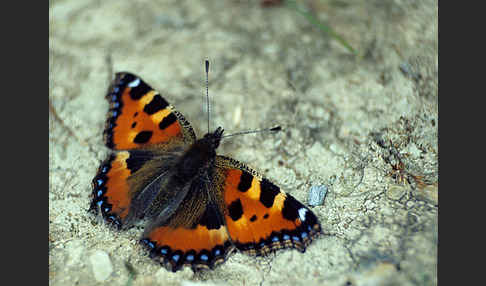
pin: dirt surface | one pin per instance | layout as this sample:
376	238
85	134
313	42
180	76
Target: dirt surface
364	126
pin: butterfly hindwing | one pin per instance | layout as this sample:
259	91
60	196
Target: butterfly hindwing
132	184
139	116
194	235
259	216
110	188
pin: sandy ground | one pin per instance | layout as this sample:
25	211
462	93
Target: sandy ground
365	127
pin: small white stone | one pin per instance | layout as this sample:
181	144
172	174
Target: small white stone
237	115
101	264
75	250
134	83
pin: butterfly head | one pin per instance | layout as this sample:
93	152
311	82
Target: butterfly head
213	139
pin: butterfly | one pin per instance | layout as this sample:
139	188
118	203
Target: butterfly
200	206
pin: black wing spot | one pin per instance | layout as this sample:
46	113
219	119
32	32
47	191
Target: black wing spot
157	103
235	210
143	137
140	90
167	121
290	208
245	181
137	160
268	193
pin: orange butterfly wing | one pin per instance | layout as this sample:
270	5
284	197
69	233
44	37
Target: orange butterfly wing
194	235
141	121
261	218
139	116
110	188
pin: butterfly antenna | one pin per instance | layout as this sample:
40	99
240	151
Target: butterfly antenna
273	129
207	89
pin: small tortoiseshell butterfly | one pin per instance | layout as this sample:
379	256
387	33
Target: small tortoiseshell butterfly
201	205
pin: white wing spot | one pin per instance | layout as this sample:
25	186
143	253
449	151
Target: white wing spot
134	83
302	212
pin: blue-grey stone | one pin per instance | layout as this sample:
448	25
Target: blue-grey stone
317	195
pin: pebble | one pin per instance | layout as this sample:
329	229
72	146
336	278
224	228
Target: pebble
395	192
101	264
75	250
317	195
408	71
429	193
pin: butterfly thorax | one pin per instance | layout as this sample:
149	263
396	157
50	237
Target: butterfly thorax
199	156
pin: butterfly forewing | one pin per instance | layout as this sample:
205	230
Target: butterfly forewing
139	116
259	216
